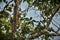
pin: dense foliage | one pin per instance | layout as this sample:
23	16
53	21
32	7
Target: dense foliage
25	27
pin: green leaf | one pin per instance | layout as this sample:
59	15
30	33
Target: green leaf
30	18
9	9
50	29
34	20
47	13
1	16
22	18
4	14
27	19
28	22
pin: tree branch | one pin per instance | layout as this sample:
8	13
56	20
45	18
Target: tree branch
36	35
7	5
47	27
15	19
49	21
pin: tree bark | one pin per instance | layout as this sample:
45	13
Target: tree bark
15	19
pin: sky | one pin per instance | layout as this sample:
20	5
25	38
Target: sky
33	12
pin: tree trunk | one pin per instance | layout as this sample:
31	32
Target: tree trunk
15	19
